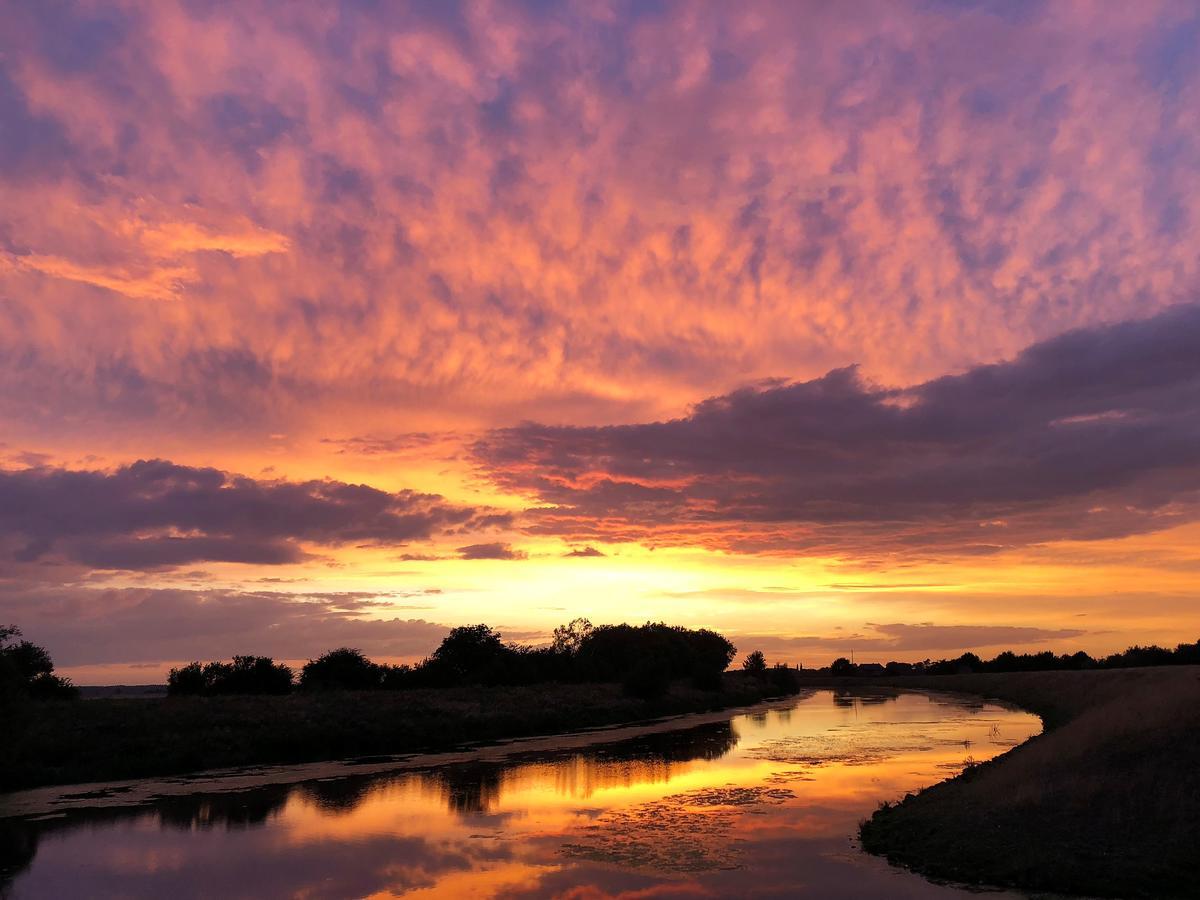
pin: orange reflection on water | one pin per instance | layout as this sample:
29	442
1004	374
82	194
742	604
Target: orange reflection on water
763	804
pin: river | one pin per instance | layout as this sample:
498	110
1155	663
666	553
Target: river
762	802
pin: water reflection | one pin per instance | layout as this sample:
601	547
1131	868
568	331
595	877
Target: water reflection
764	804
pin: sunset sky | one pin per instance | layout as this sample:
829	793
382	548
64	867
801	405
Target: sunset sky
831	326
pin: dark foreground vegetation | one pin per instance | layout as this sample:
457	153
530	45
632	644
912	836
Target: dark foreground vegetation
103	740
1105	803
474	687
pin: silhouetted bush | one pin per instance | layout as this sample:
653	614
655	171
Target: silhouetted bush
27	671
342	669
245	675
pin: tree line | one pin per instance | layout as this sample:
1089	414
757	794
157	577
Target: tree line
1008	661
645	659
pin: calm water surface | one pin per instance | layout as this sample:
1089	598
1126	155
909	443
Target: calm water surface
764	804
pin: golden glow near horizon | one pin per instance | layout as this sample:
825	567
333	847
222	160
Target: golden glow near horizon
827	328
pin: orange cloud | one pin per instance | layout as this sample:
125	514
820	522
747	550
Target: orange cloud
301	238
604	215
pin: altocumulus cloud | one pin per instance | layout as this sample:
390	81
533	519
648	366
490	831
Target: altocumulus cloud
909	185
1093	434
154	513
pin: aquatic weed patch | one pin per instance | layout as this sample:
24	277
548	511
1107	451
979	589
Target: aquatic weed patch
686	832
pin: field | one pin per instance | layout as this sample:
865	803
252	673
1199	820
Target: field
98	740
1105	803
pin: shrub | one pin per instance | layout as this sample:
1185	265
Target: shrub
342	669
245	675
254	675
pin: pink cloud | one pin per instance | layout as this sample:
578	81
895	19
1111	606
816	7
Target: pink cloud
606	215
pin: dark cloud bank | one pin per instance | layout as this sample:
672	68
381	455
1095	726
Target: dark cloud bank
495	550
154	513
1093	434
154	625
909	639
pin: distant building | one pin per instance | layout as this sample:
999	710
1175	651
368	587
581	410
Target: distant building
870	669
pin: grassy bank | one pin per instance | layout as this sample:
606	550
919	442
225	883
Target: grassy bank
102	740
1105	803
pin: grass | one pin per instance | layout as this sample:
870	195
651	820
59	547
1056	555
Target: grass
104	740
1105	803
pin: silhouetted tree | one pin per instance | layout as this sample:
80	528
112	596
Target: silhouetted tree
1079	660
342	669
611	653
472	654
26	670
755	664
842	666
1187	654
570	637
711	654
186	681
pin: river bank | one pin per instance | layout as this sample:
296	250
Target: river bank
107	740
1105	803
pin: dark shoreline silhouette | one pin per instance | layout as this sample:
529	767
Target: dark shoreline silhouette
1104	803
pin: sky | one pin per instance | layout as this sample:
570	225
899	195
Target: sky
863	327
